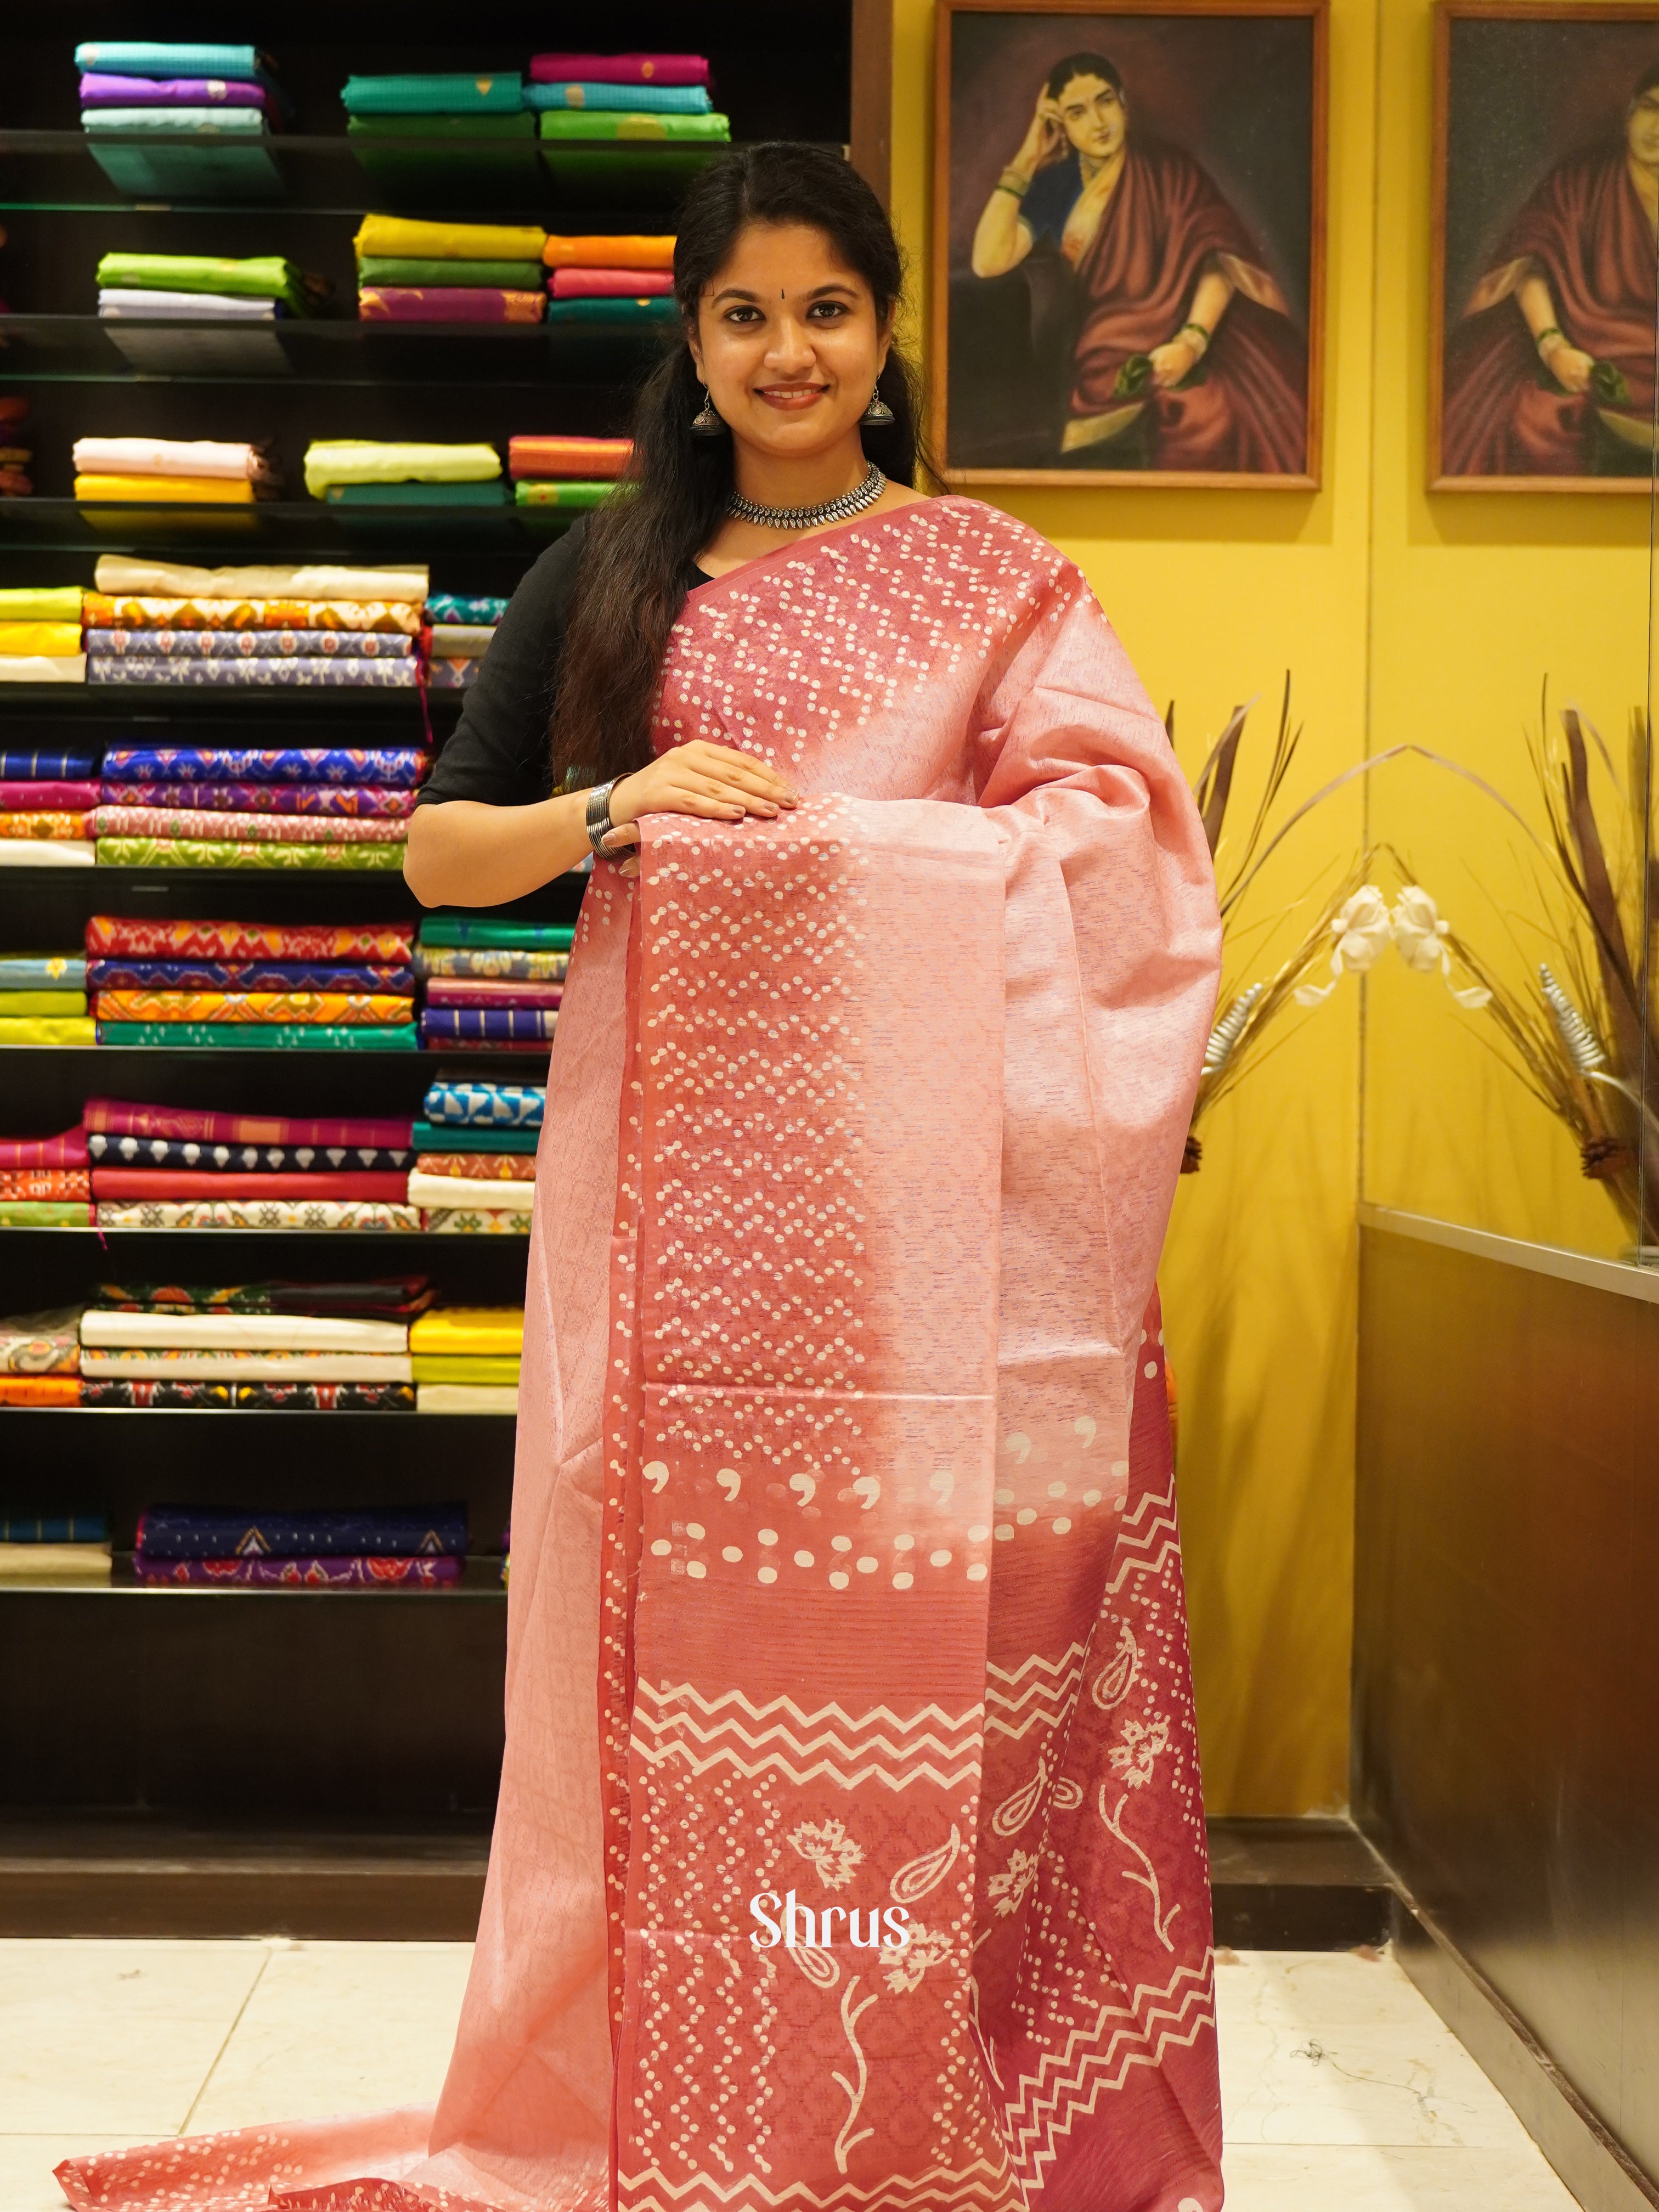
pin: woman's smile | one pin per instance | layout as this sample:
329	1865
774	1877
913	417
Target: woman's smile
791	398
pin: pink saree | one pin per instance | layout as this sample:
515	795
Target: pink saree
847	1596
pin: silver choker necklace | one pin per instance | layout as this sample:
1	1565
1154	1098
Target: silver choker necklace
810	518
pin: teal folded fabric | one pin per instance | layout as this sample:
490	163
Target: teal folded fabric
627	98
434	95
439	1137
263	1036
648	313
145	58
588	123
418	495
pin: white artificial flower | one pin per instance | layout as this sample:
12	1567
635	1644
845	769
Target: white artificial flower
1362	930
1420	935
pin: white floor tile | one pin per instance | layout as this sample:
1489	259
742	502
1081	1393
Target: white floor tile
1317	1988
114	2038
26	2165
1374	2178
339	2028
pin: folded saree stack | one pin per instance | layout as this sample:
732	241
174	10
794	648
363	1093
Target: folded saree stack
466	1359
641	98
611	279
191	119
44	1180
53	1546
309	1547
200	288
17	448
374	472
459	630
449	272
566	474
40	1358
475	1155
421	134
343	628
491	984
176	471
46	803
41	635
43	1001
295	986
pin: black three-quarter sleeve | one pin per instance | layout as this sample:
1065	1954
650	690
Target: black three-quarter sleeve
499	752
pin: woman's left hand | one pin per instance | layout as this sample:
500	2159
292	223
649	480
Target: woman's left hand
1175	361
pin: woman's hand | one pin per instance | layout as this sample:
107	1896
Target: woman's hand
1044	141
1177	359
716	781
1570	368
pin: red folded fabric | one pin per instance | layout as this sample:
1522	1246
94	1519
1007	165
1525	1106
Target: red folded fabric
47	798
68	1151
114	1118
133	1184
587	458
618	69
448	303
55	1183
610	283
387	944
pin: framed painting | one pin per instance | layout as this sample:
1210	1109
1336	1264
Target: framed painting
1128	257
1546	208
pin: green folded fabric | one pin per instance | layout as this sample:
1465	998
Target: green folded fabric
450	94
331	461
393	128
44	1213
181	121
578	122
449	929
417	495
262	1036
50	603
438	1137
646	313
258	276
487	275
459	1367
199	853
14	1005
575	496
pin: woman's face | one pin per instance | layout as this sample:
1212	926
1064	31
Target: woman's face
787	341
1094	116
1642	128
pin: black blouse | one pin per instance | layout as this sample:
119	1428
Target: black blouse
500	752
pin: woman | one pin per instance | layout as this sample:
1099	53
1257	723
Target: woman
1572	287
849	1849
1167	276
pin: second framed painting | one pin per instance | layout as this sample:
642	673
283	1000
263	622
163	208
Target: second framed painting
1129	242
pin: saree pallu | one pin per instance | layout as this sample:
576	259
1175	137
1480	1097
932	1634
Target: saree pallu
299	671
106	611
390	945
303	1574
244	1037
203	1532
392	767
243	1159
115	1117
256	1397
250	644
845	1527
327	799
195	853
245	975
309	1215
324	1007
256	829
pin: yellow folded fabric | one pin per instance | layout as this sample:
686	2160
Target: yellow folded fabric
49	637
50	603
493	1370
481	1330
367	460
184	491
15	1004
46	1031
400	240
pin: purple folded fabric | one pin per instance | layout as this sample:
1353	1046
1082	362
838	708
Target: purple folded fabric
447	303
347	766
99	89
443	1025
213	1532
119	974
250	644
259	798
315	1573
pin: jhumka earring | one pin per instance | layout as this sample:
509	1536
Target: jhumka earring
878	416
705	423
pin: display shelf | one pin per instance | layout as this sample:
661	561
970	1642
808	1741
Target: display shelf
301	530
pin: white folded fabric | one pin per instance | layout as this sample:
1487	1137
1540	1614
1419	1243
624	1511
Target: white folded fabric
168	579
169	456
43	668
349	1216
208	1332
127	303
46	853
466	1398
155	1365
460	641
478	1197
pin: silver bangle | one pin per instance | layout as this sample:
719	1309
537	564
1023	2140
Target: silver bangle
599	824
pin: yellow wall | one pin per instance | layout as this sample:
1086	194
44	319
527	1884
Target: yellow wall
1399	616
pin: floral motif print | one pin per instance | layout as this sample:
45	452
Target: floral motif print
829	1847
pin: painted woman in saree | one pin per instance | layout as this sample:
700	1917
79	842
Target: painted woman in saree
845	1557
1186	357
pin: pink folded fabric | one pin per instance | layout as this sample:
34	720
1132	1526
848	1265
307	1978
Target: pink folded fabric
474	991
256	828
610	283
134	1184
618	69
68	1151
47	798
446	303
115	1117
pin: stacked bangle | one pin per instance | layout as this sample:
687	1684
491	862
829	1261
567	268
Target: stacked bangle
1011	181
599	824
1552	330
1201	330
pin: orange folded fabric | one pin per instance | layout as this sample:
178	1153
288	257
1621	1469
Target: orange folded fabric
608	253
48	1183
39	1389
589	458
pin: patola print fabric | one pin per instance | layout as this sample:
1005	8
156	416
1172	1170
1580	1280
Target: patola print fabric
845	1546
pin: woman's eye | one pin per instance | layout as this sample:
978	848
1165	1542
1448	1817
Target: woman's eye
742	314
828	310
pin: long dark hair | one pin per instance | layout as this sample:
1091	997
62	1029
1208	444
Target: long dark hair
631	585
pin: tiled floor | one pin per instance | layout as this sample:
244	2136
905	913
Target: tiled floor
1341	2086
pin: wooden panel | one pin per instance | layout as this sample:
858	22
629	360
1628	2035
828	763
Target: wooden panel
871	146
1506	1663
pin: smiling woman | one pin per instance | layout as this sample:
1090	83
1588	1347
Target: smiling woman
845	1563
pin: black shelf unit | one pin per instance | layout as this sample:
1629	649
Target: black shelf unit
230	1714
